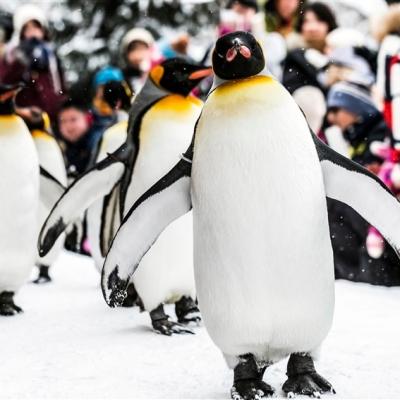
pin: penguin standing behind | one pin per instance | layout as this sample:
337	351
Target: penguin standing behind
160	128
112	139
262	256
51	160
19	201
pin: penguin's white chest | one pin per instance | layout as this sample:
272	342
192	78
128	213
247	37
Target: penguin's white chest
19	188
263	258
50	158
166	272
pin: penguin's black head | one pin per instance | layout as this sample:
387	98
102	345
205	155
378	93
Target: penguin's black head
178	75
237	55
7	95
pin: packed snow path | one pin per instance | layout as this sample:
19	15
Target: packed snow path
69	344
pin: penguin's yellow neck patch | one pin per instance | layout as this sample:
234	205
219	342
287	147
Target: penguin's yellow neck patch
12	124
262	90
177	104
244	84
42	135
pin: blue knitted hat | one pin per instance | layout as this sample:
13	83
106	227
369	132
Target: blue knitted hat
351	98
107	74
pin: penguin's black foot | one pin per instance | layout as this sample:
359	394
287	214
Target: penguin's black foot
303	379
251	390
163	325
7	305
187	311
43	276
247	382
168	328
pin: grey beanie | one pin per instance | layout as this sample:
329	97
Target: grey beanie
352	98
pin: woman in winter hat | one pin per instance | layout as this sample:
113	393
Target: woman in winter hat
304	66
30	57
138	51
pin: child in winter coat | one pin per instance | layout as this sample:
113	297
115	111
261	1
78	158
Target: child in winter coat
31	58
112	96
75	132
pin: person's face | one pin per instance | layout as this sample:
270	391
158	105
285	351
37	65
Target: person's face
32	30
313	30
342	118
73	124
287	8
246	12
139	57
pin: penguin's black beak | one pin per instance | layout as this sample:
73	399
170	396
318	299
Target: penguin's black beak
237	48
201	73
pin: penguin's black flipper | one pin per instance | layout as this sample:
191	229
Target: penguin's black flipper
92	185
352	184
50	188
163	203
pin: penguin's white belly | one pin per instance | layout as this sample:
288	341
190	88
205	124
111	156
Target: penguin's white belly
166	272
262	252
19	188
50	158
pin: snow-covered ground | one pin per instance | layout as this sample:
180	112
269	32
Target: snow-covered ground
69	344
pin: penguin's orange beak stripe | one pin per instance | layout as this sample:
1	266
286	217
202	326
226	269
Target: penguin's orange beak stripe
202	73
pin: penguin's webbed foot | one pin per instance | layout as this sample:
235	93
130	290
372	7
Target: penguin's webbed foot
187	311
43	276
247	382
40	280
250	389
168	328
303	379
162	324
7	305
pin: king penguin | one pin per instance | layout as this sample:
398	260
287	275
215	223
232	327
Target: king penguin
19	201
262	254
160	128
51	160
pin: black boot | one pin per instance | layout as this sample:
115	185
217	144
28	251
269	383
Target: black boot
43	276
186	311
163	325
303	379
132	298
247	381
7	305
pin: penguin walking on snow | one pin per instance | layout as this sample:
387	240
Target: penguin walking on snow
262	257
113	138
19	201
160	128
51	160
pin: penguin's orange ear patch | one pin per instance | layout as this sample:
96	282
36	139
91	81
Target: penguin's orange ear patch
157	73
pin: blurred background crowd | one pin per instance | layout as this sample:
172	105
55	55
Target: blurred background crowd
82	63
